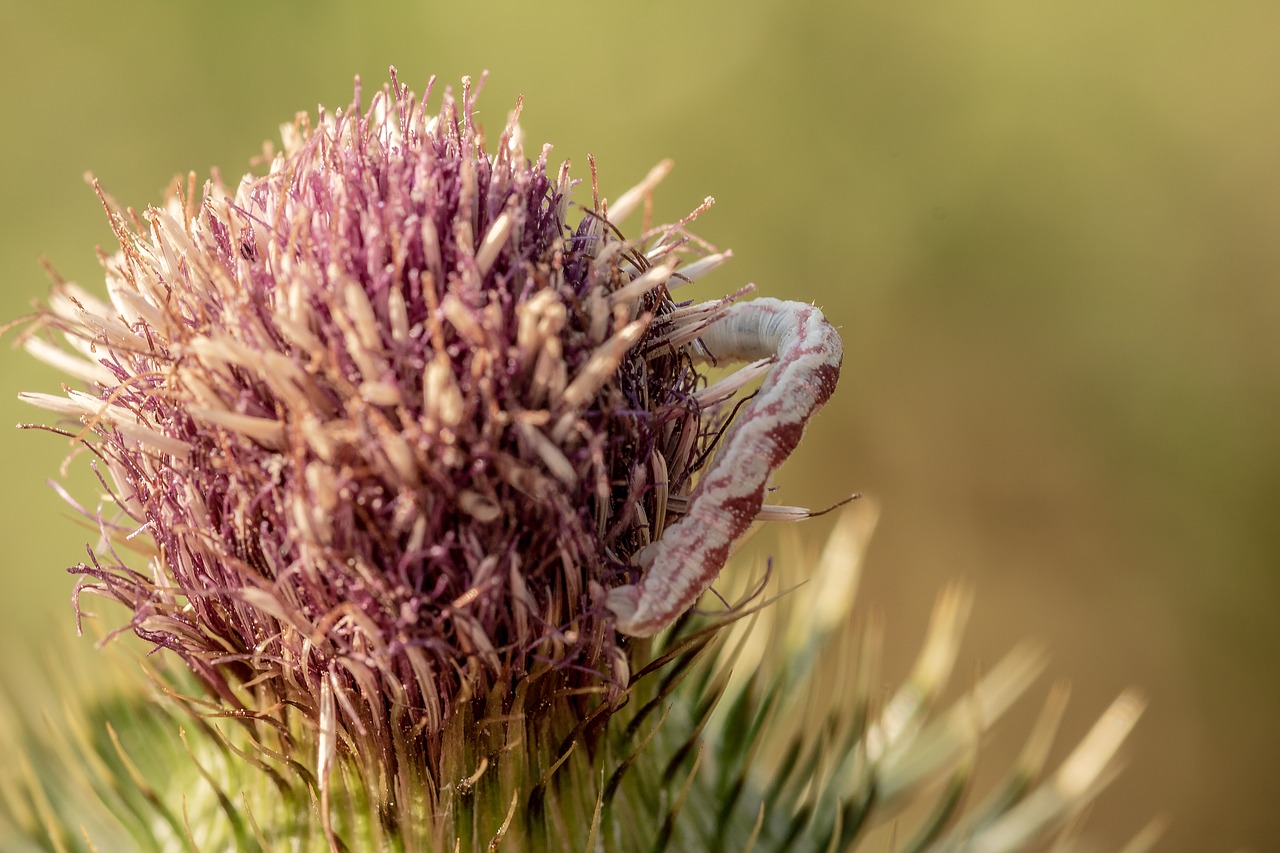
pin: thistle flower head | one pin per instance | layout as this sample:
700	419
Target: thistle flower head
391	421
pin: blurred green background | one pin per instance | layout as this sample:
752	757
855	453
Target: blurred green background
1048	231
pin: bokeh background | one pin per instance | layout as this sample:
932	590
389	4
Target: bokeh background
1047	230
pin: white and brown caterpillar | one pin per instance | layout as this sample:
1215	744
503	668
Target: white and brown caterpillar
806	353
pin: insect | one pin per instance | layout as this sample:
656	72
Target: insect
806	354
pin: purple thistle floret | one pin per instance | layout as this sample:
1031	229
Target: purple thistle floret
392	424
